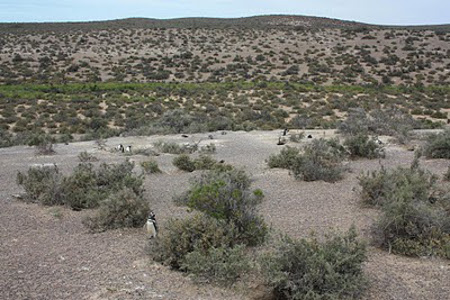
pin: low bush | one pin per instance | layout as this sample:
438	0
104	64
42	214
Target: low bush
208	149
222	265
285	159
120	210
226	195
310	269
362	145
150	167
379	187
84	188
320	160
296	138
438	145
184	163
42	185
43	143
447	175
196	233
415	219
203	162
81	189
85	157
415	228
379	122
174	148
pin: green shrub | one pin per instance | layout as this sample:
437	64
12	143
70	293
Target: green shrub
285	159
379	187
222	265
362	145
226	195
415	228
309	269
438	145
184	163
415	220
150	167
321	160
42	185
196	233
80	188
120	210
84	188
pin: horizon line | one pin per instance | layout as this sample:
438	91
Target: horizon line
222	18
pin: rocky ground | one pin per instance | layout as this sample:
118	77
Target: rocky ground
46	252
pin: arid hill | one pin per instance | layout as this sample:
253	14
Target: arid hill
265	48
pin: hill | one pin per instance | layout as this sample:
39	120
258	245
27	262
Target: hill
264	48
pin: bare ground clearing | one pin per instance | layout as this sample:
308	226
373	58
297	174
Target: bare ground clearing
46	253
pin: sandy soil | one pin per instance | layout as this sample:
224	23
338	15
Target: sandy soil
46	253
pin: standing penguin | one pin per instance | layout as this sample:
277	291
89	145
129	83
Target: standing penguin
150	226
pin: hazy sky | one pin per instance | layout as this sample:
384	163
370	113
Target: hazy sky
388	12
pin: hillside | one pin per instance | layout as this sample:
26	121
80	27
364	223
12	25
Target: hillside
265	48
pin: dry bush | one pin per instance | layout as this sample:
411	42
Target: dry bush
311	269
120	210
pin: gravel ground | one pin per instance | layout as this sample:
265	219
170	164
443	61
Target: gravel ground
46	253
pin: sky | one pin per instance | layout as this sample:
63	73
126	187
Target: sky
385	12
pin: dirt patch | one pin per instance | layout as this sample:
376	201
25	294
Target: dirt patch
46	253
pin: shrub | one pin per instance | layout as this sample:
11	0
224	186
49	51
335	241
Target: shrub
43	143
203	162
222	265
150	167
184	163
197	233
379	187
309	269
321	160
80	188
42	185
379	122
174	148
296	138
414	220
208	149
120	210
438	145
84	188
226	195
85	157
362	145
415	228
447	175
285	159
